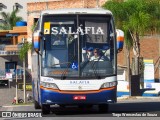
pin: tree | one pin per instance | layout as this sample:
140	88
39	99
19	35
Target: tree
117	8
22	55
135	17
24	50
9	20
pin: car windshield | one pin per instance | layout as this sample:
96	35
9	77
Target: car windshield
78	46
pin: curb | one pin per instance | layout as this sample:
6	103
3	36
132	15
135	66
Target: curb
136	97
15	105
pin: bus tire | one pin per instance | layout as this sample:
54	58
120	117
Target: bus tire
159	94
103	108
45	109
36	105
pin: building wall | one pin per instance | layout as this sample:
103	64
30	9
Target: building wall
149	49
42	4
9	50
11	58
22	36
23	11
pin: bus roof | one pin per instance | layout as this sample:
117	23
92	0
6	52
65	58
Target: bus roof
78	11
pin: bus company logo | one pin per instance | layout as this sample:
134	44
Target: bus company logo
79	30
80	87
6	114
79	82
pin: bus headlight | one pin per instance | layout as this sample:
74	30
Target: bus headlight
109	84
49	85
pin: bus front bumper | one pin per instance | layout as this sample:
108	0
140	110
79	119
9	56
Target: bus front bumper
103	96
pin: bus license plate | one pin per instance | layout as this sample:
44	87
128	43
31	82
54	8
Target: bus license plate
79	97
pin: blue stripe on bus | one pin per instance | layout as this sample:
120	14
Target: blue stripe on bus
91	98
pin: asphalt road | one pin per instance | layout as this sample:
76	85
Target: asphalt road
139	108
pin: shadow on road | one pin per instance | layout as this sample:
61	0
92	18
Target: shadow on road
113	108
135	107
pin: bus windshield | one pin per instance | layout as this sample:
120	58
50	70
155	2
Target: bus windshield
78	46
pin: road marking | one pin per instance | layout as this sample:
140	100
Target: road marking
16	106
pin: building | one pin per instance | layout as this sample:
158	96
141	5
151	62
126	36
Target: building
10	43
8	6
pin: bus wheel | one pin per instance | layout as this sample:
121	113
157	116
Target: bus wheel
36	105
103	108
159	94
45	109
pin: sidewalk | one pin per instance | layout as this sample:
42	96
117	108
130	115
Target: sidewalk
138	99
7	95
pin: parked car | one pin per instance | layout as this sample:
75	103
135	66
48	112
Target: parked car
3	83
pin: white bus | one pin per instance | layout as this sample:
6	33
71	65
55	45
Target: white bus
75	58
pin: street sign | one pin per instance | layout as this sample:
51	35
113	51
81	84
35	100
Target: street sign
9	75
148	70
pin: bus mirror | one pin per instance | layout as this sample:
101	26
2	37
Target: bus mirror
36	40
120	40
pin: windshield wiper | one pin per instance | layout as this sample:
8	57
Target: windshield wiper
92	63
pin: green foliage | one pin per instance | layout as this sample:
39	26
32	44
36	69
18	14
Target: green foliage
9	19
136	15
33	27
24	50
128	40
